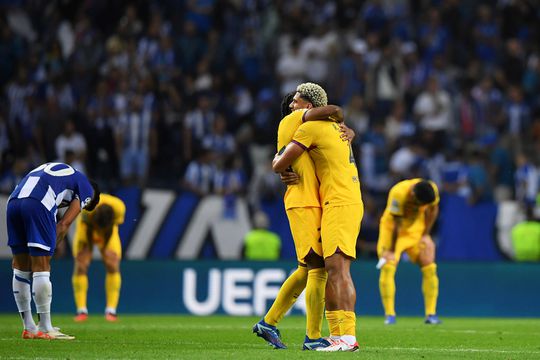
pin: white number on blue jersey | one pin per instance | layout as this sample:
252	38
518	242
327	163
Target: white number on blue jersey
48	168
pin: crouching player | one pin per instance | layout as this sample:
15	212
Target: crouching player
99	228
411	210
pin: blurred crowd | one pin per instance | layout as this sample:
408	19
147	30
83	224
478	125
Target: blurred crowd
185	94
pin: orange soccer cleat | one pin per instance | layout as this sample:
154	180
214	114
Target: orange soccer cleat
109	316
81	317
27	334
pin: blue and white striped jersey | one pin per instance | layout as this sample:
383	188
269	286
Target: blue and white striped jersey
55	185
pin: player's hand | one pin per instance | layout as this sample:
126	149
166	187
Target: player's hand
389	256
289	178
426	239
347	134
61	231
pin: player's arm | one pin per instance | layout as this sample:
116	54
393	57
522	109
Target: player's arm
395	231
324	113
430	216
70	215
285	159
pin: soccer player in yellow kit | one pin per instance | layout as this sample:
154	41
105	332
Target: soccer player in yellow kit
342	211
411	210
304	214
99	228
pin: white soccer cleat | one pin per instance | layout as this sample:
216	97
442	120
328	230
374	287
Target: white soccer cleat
57	335
340	345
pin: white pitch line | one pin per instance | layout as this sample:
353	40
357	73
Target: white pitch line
451	350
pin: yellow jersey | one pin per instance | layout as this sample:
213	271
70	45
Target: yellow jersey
399	204
334	162
117	205
306	192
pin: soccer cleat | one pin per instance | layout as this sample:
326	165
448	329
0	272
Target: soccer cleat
27	334
432	320
340	345
109	316
390	320
81	317
57	335
269	333
313	344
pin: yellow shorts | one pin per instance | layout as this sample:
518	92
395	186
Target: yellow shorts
80	240
305	226
408	242
340	226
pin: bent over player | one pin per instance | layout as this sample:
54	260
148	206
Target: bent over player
33	233
411	211
99	228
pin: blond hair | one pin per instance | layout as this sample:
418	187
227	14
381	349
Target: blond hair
313	93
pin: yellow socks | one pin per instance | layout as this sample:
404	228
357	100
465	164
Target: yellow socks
80	289
315	290
113	282
341	323
430	288
347	324
287	295
387	287
332	316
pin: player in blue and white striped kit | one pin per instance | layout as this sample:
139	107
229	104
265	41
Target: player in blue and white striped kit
33	232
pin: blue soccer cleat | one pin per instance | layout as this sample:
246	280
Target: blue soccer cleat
313	344
269	333
390	320
432	320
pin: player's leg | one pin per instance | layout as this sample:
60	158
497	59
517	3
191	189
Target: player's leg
113	282
387	284
315	300
430	280
291	289
79	280
22	271
340	228
293	286
41	235
287	295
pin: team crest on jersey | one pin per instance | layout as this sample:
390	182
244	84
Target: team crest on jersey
394	206
86	202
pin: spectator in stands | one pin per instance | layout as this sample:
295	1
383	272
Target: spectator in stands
526	179
200	174
73	142
432	107
260	243
136	140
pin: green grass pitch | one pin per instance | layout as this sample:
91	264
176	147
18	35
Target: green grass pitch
227	337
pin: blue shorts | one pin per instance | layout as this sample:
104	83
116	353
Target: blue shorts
31	228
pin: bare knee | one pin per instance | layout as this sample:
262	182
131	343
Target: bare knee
21	262
111	262
427	255
82	262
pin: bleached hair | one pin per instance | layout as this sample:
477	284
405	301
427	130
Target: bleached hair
313	93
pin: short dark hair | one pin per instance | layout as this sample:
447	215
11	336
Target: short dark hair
424	192
286	102
103	216
95	197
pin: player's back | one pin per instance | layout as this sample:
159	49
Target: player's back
306	192
118	206
54	185
334	162
399	204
